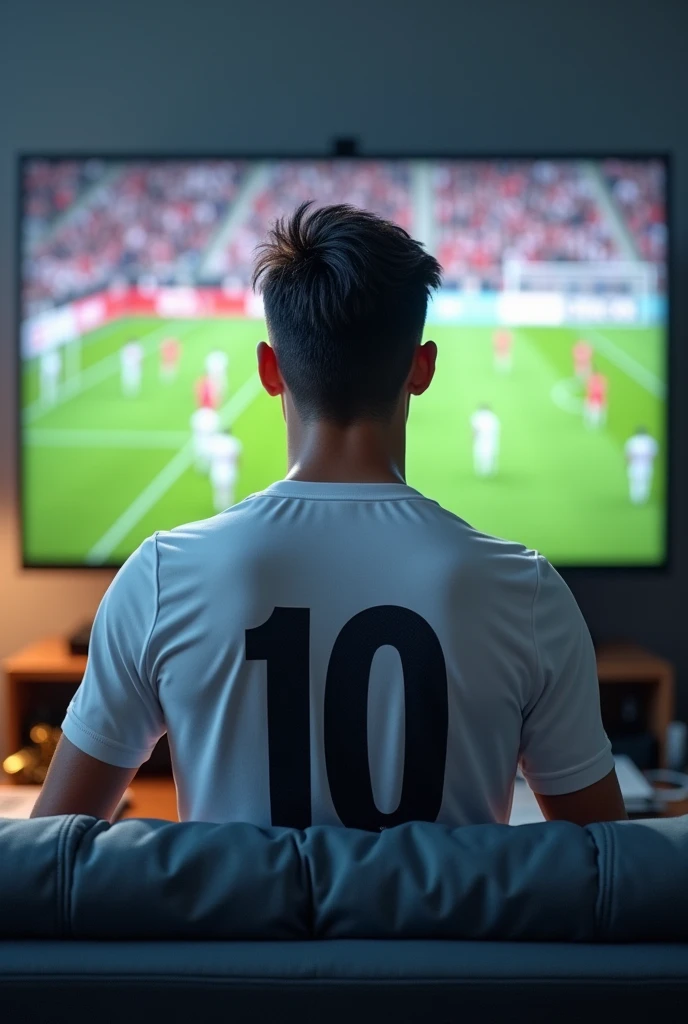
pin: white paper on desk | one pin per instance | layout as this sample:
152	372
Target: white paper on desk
634	785
636	791
525	809
17	801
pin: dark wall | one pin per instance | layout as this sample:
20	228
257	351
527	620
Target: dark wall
493	75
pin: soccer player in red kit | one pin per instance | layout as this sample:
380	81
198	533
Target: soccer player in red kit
170	354
582	359
207	393
503	344
595	409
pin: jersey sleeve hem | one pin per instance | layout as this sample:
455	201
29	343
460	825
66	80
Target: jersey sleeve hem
103	749
570	780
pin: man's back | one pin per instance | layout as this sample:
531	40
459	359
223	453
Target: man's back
337	652
333	652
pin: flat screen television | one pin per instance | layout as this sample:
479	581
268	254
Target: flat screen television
547	420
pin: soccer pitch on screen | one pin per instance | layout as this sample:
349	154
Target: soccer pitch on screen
102	470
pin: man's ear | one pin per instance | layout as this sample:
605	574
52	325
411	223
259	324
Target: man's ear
422	368
269	371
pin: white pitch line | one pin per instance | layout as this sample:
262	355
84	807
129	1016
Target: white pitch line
140	439
167	476
628	364
91	338
98	372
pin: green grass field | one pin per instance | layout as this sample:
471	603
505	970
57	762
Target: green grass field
101	471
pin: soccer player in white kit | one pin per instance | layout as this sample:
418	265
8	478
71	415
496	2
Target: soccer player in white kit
641	451
131	368
50	368
338	649
205	424
224	468
486	433
217	366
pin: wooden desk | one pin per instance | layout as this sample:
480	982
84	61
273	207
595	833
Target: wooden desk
153	798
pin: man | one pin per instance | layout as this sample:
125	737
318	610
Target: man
131	368
486	430
502	347
271	641
582	359
216	365
224	465
595	406
50	368
170	355
641	451
207	393
205	423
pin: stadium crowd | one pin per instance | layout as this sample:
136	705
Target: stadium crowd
638	189
149	221
89	225
488	212
382	188
51	188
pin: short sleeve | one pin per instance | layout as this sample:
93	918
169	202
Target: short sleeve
115	715
564	747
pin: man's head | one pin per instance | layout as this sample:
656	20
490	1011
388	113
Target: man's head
345	297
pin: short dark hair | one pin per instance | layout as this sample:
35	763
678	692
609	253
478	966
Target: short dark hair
346	296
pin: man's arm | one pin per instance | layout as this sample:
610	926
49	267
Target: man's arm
115	718
565	754
77	783
600	802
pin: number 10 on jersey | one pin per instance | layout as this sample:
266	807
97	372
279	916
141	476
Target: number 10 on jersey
283	642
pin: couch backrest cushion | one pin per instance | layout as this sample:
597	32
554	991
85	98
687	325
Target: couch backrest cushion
80	877
643	890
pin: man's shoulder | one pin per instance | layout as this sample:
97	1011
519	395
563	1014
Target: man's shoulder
485	553
198	531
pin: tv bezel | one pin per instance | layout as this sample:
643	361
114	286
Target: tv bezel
571	571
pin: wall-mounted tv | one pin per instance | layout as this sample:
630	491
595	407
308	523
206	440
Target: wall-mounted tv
547	420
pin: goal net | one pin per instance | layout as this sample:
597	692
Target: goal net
576	292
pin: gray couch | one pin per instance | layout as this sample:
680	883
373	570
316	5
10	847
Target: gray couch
145	921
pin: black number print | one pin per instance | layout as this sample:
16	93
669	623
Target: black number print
283	641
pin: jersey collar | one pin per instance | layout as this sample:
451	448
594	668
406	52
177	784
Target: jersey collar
341	491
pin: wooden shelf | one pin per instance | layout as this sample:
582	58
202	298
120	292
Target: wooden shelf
619	664
50	661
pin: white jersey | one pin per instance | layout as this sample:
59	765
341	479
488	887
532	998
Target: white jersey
205	421
216	364
486	428
641	451
51	363
224	454
316	644
132	356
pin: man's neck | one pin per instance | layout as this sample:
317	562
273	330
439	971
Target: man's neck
366	452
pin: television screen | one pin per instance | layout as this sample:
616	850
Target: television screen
140	404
